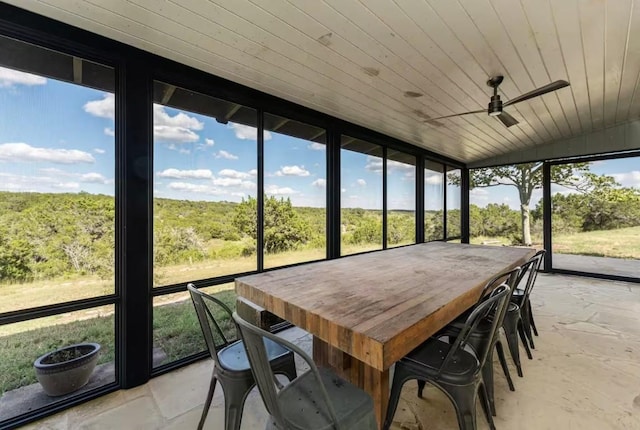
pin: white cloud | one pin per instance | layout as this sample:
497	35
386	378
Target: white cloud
205	189
629	179
478	192
178	128
274	190
184	174
253	172
94	178
105	108
344	190
433	178
246	132
292	171
177	134
109	131
15	152
320	183
22	183
209	142
317	146
10	78
230	173
361	182
233	182
374	164
226	155
194	188
99	151
180	120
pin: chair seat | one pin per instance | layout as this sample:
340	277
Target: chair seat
303	406
430	356
234	357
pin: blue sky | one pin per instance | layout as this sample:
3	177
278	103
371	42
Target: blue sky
59	137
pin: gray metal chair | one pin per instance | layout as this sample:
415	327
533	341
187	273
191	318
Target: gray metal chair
316	400
481	337
231	366
517	321
522	298
449	367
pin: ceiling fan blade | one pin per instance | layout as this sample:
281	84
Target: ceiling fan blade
455	114
507	119
553	86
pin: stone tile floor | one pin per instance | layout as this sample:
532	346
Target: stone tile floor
585	375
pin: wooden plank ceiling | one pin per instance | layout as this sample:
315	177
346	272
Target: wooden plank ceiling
390	65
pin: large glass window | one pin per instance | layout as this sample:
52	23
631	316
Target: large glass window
295	164
401	198
361	196
503	204
433	201
453	203
596	216
205	155
57	214
176	330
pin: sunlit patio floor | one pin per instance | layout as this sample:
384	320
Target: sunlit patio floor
585	375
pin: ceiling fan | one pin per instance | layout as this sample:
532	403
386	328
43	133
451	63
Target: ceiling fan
496	105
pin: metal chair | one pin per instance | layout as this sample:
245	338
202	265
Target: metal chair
481	337
449	367
316	400
230	363
521	298
517	322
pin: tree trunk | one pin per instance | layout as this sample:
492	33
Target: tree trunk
526	224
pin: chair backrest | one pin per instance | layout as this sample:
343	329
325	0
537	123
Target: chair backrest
215	319
530	268
490	305
253	338
509	276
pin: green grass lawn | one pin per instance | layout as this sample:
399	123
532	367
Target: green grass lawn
620	243
175	330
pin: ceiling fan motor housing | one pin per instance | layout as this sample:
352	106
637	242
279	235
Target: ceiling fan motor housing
495	106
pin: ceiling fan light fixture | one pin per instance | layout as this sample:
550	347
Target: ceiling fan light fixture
495	106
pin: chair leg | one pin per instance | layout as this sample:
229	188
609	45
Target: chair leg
207	403
503	363
523	337
487	378
526	323
234	396
484	399
421	385
533	323
511	330
464	401
400	375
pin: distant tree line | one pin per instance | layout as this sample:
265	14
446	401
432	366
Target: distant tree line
45	236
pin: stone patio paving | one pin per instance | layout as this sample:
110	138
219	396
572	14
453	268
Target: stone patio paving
585	375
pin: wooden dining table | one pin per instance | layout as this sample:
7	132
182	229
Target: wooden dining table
367	311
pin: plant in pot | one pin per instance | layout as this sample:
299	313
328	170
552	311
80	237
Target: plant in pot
66	369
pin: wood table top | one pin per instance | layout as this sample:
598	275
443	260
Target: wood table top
378	306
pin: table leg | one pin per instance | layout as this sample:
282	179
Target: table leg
373	381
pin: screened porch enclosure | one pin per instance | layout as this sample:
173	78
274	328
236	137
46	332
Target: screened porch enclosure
144	147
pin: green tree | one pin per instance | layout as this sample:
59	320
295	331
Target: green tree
526	178
283	229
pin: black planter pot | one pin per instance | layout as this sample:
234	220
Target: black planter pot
62	377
